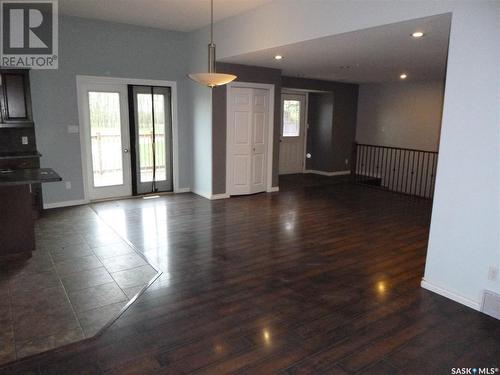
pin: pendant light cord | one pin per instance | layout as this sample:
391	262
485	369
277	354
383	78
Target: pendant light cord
211	21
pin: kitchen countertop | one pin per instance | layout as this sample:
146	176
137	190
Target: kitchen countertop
28	176
19	155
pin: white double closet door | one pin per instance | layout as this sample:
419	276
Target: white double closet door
247	131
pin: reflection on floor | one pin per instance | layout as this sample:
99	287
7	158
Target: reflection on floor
145	224
81	275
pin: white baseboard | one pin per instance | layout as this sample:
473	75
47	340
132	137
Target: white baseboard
202	194
451	295
219	196
48	206
211	196
183	190
323	173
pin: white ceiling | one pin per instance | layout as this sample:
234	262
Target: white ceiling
178	15
378	54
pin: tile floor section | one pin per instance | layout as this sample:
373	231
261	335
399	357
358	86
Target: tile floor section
79	278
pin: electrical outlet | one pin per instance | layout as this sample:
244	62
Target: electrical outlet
68	185
491	304
24	140
493	274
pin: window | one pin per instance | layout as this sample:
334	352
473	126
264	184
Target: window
291	118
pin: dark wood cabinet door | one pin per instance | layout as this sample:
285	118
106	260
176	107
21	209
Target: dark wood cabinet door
16	105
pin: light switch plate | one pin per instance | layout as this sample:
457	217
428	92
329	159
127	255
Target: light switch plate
73	129
24	140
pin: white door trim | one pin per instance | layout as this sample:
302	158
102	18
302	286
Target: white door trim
270	129
82	80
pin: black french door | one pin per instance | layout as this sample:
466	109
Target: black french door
151	135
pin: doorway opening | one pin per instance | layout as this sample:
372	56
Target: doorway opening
151	139
128	136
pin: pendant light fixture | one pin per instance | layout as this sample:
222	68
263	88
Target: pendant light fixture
212	79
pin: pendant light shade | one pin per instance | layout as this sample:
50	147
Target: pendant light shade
212	78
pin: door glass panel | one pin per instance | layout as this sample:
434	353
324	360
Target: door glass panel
106	138
291	118
145	122
160	138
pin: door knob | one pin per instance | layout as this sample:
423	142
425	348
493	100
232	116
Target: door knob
125	150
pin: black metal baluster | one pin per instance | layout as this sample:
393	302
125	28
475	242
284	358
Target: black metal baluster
367	158
412	175
417	181
408	174
386	157
370	164
396	169
393	167
356	150
403	174
360	161
362	167
377	162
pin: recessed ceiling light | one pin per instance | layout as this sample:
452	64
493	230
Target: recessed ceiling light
403	76
417	34
278	57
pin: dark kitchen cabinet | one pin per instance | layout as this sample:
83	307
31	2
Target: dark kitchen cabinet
17	132
15	99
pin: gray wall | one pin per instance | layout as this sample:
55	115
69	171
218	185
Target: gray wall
199	104
400	114
345	102
105	49
320	132
245	73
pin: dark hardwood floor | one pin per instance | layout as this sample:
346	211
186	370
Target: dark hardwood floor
317	279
